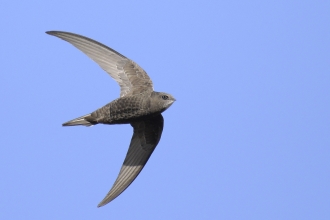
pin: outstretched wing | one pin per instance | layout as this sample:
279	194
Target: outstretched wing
146	136
131	78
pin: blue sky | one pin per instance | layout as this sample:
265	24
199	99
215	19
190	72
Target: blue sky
247	138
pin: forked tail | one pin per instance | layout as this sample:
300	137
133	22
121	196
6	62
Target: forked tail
83	120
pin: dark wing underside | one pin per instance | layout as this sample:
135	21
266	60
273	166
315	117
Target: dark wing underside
145	138
131	78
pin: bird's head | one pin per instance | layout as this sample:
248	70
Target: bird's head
160	101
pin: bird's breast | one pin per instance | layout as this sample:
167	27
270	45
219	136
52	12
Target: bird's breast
126	109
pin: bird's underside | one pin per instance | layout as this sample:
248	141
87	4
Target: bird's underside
132	107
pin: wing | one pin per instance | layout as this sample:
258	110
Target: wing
146	136
131	78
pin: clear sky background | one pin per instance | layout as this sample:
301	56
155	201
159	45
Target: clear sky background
247	138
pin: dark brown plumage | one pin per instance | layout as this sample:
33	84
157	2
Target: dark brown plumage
138	105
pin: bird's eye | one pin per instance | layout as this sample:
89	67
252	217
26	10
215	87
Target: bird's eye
165	97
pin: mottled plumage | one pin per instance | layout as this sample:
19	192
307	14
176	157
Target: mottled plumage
138	105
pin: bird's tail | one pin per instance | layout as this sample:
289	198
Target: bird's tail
83	120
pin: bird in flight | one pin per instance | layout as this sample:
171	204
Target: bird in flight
138	105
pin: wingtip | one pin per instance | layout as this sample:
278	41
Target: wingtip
54	33
102	203
105	201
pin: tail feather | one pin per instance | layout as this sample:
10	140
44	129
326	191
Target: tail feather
79	121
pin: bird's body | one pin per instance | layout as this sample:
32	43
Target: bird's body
124	110
138	105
